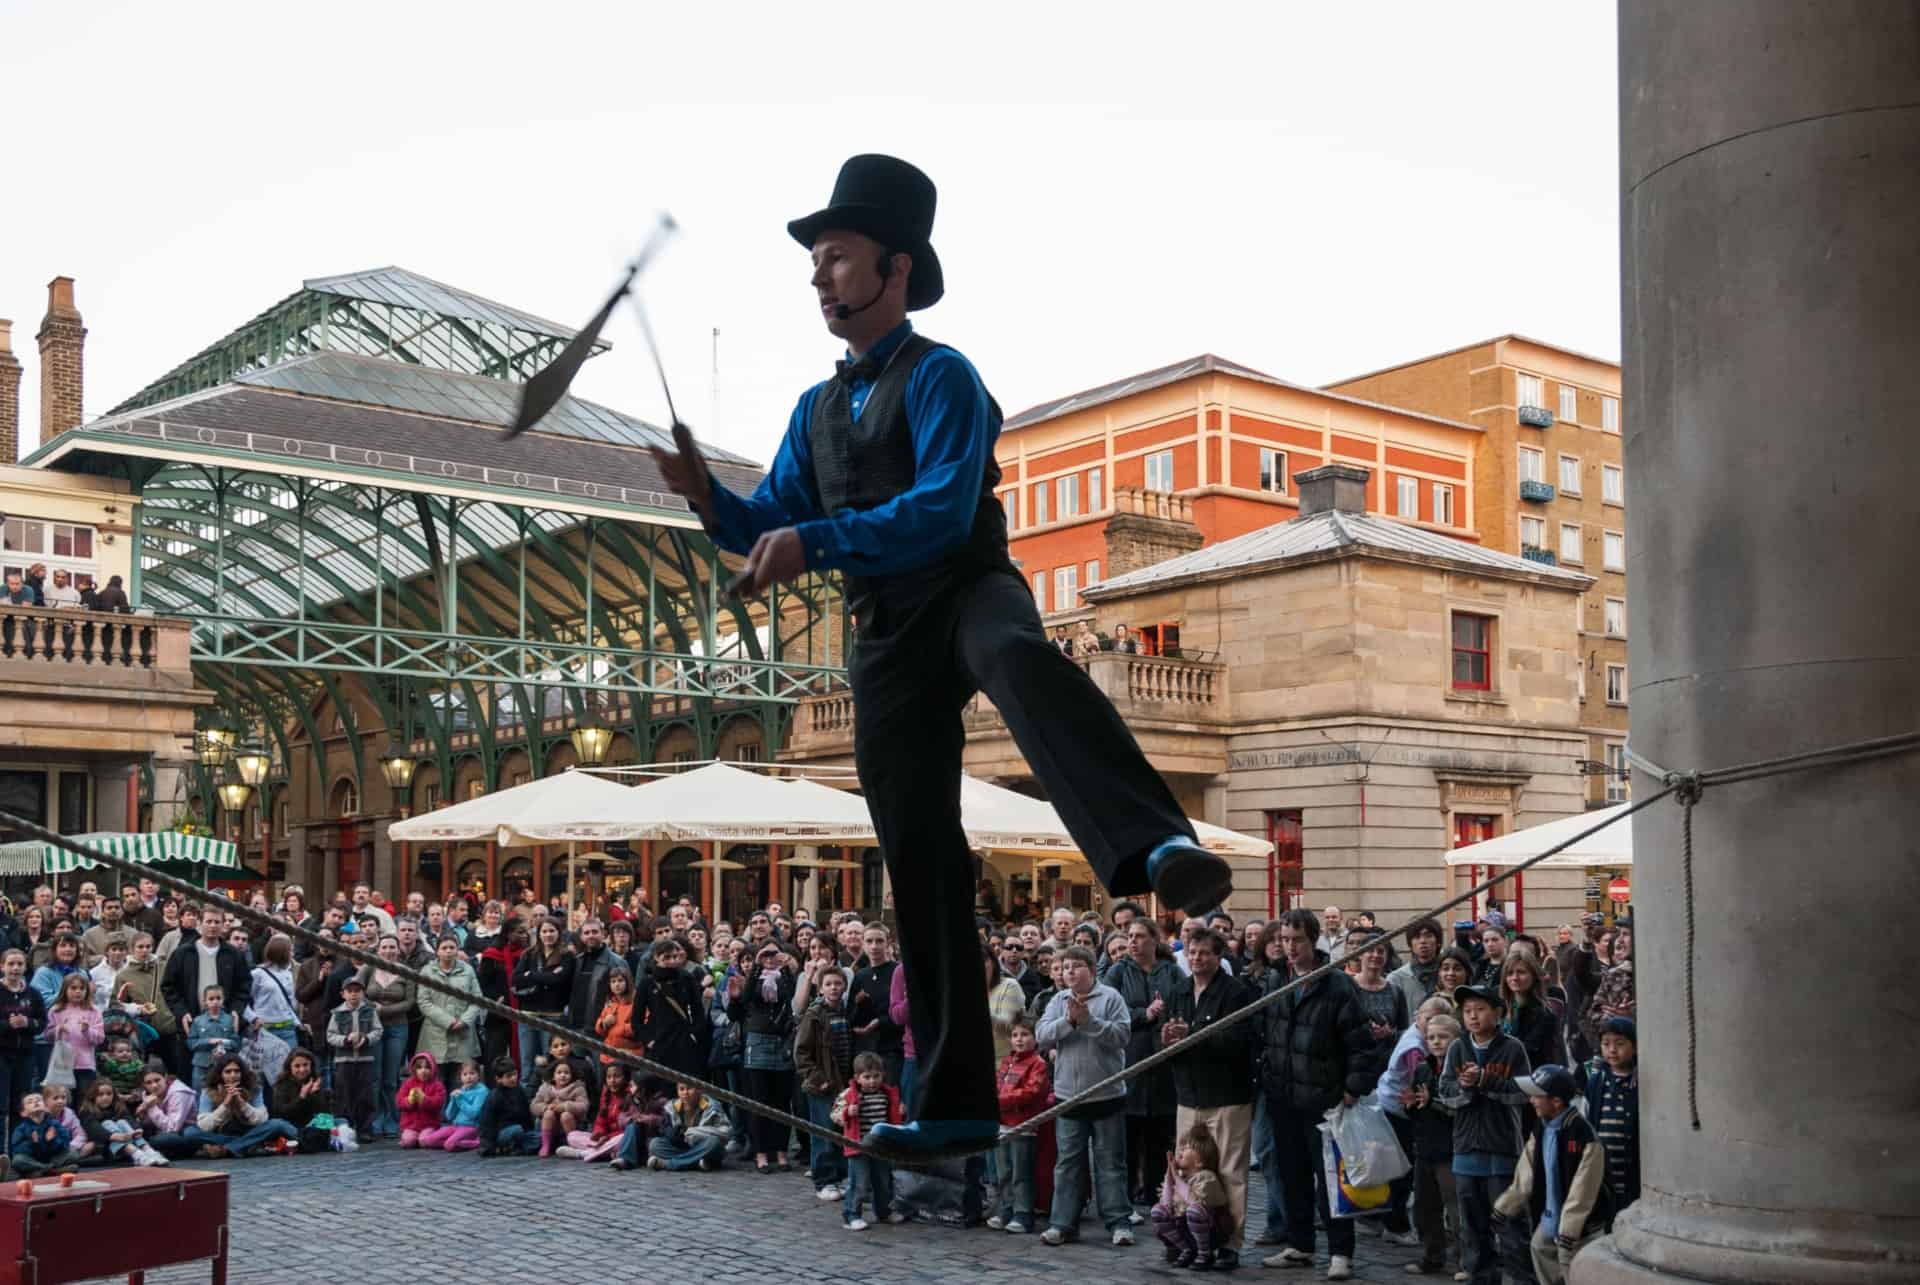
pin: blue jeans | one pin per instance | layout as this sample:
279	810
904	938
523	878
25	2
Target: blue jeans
1479	1247
532	1044
1109	1139
1015	1161
687	1157
867	1177
389	1064
517	1140
909	1078
243	1144
1264	1156
829	1163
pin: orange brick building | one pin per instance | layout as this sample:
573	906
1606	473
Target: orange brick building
1154	465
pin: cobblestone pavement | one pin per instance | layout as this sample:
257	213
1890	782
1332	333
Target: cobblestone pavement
388	1217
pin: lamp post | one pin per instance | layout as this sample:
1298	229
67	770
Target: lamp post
591	740
213	744
252	763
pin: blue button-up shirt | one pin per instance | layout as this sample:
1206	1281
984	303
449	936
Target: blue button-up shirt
948	414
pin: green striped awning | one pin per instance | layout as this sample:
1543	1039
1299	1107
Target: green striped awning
34	857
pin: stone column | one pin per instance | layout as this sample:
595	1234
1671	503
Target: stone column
1771	314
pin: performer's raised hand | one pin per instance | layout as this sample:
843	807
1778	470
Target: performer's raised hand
685	469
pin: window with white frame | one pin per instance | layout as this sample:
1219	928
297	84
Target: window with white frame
432	800
1614	617
1066	588
1093	573
63	546
1010	501
1569	475
349	799
1533	533
1040	504
1616	684
1533	465
1614	551
1527	391
1067	492
1618	782
1443	504
1160	471
1569	404
1570	542
1095	478
1613	484
1609	414
1406	497
1273	470
1040	590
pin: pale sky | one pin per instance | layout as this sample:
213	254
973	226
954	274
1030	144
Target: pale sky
1312	190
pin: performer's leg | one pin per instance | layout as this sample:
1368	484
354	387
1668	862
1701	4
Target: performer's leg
1113	802
907	744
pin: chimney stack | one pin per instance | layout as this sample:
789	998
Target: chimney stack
1336	488
62	340
9	396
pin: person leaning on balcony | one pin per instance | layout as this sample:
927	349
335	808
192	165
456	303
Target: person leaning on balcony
112	598
1086	642
1123	640
61	592
18	593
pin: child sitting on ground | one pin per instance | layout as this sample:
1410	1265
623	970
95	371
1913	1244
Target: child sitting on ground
1026	1088
619	1107
460	1119
165	1109
559	1106
1195	1211
560	1049
693	1133
506	1121
1434	1197
116	1137
40	1144
868	1101
59	1100
299	1096
212	1032
421	1100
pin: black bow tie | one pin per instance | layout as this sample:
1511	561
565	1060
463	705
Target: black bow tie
864	371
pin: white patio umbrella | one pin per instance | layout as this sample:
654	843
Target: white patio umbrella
1611	846
512	817
1001	820
719	802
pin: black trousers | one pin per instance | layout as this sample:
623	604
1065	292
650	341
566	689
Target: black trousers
921	654
1299	1153
1149	1139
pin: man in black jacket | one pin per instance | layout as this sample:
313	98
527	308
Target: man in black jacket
202	960
1213	1081
1318	1054
596	960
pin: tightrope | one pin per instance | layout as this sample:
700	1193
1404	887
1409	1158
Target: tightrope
1687	786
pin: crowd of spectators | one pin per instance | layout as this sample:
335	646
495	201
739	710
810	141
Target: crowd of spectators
138	1029
33	587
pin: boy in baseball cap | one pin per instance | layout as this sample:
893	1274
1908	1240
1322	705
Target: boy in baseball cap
1561	1181
1477	1081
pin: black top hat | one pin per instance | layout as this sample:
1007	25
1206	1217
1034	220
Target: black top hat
891	201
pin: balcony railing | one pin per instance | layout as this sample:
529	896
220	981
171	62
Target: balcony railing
1536	417
67	639
1140	687
1536	492
1533	553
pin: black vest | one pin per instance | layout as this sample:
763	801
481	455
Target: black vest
861	464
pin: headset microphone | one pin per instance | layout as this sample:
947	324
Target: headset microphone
885	268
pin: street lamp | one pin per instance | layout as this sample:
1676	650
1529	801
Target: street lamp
398	768
252	764
591	740
216	744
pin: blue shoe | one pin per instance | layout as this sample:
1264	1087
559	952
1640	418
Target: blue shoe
935	1137
1186	875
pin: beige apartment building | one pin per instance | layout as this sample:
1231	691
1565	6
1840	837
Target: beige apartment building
1549	485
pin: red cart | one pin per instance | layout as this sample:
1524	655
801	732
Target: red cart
110	1222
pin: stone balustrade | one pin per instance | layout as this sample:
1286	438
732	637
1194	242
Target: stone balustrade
68	642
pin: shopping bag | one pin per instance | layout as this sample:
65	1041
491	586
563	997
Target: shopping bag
60	1066
1368	1146
1345	1198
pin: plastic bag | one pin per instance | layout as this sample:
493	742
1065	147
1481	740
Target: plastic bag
1346	1198
60	1066
1368	1146
265	1053
344	1138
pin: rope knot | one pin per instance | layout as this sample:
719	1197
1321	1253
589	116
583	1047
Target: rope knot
1687	787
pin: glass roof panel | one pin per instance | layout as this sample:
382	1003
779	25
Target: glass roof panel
398	286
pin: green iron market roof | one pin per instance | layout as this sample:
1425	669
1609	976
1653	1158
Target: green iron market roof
407	289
